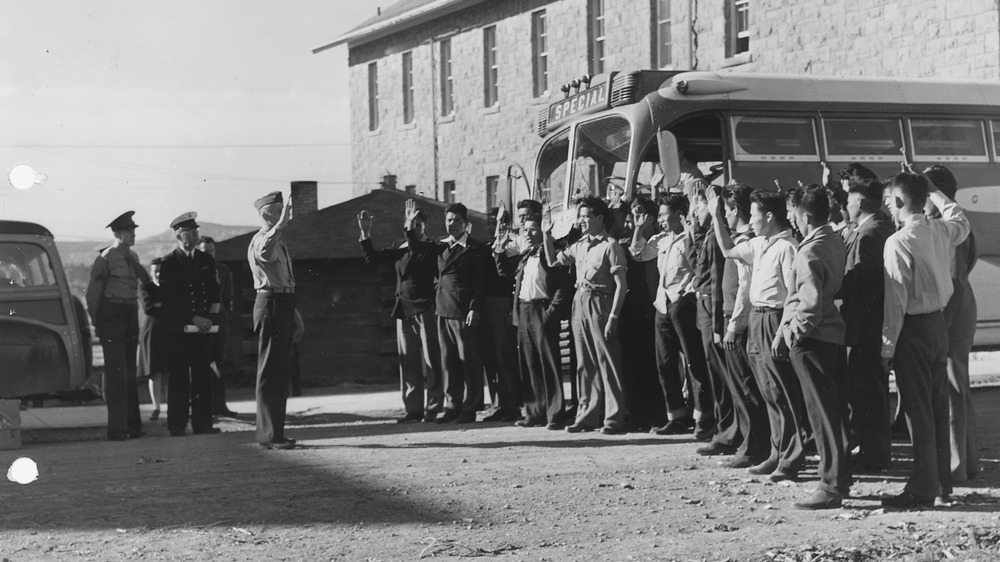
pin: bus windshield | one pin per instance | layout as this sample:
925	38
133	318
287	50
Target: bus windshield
551	173
602	150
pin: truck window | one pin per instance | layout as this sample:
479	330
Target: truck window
602	148
24	265
551	173
856	140
790	139
950	140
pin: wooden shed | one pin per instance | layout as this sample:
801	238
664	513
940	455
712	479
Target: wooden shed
344	303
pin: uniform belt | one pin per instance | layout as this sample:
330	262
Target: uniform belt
765	309
117	300
700	295
535	301
278	291
592	290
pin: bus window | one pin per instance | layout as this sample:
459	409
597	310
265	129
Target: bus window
551	173
24	265
790	139
602	149
995	125
858	140
948	140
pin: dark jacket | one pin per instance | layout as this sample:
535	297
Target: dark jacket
960	314
863	288
189	287
709	269
461	274
557	281
416	273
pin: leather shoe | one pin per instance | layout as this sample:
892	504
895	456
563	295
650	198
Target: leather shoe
412	417
279	445
679	426
764	468
578	428
716	448
613	430
136	434
906	500
430	417
738	462
528	422
704	432
209	431
511	416
466	417
495	416
555	426
821	499
781	475
155	415
448	416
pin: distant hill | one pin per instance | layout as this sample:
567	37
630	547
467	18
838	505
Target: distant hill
79	256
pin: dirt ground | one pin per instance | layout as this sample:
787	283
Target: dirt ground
364	488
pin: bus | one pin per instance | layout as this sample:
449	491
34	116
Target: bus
650	127
44	333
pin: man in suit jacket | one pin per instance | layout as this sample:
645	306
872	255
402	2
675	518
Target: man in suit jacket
863	293
190	293
416	326
461	278
541	301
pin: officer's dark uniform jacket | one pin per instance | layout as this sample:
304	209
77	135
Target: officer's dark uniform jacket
189	287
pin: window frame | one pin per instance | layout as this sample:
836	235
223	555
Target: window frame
449	196
373	96
492	192
860	157
733	31
446	78
539	54
658	22
596	35
917	156
491	69
739	156
408	88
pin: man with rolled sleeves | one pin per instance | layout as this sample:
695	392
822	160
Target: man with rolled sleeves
918	286
273	318
112	300
189	291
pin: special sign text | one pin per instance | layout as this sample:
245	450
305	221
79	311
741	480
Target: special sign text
596	97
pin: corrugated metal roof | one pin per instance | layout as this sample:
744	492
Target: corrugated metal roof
332	233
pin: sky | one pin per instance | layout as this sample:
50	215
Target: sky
164	107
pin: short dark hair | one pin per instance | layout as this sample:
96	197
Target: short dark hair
598	207
837	195
421	214
207	240
646	204
737	196
534	207
815	202
913	186
863	181
458	209
793	196
676	202
771	202
943	179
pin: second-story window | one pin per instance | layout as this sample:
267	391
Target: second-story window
449	192
492	191
737	27
595	33
372	96
447	93
490	72
539	54
408	87
663	54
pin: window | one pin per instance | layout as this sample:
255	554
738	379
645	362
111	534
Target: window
447	91
492	191
663	52
948	140
24	265
490	74
408	87
996	138
539	54
411	189
372	96
595	34
737	27
449	192
788	139
858	140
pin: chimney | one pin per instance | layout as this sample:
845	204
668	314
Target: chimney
305	197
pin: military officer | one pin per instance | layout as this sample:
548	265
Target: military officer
190	293
112	300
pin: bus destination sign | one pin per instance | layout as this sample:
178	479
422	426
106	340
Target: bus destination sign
584	102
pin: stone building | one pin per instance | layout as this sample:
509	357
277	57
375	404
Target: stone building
445	94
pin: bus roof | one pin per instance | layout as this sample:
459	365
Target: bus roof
19	227
829	89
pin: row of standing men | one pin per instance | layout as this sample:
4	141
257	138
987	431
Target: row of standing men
714	313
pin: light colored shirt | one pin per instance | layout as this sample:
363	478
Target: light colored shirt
917	266
462	240
270	264
597	258
532	287
116	274
672	263
771	261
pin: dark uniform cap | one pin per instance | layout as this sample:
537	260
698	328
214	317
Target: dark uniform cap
185	221
273	197
123	222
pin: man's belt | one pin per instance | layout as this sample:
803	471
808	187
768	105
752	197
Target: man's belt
116	300
544	302
765	309
277	291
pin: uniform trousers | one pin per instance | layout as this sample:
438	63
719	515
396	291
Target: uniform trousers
964	442
727	430
868	395
118	328
780	390
751	411
819	367
274	322
420	363
677	332
602	397
463	365
538	354
190	382
921	365
499	351
218	352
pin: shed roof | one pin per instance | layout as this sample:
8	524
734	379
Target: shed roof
397	17
332	233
